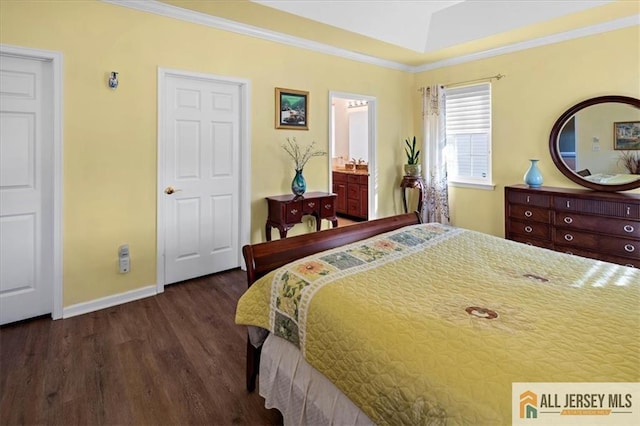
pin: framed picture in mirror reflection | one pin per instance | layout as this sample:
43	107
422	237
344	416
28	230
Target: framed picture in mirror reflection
626	135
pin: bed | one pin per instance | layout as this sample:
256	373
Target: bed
609	179
396	322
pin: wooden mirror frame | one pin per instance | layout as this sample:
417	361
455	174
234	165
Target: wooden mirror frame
555	150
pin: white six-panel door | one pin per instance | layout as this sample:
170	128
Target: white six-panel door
25	191
201	176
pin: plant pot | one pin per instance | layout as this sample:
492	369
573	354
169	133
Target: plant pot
413	169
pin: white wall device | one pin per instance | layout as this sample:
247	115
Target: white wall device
123	259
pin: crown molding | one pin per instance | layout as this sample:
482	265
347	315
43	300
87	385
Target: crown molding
615	24
194	17
174	12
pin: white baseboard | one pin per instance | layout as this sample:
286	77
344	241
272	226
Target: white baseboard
109	301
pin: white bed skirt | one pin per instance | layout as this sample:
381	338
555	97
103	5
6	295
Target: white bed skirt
303	395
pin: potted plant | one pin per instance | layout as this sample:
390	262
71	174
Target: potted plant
413	167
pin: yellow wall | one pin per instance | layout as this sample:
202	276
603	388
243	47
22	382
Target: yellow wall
110	136
540	84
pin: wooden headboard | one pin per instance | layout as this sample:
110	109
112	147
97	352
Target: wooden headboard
263	258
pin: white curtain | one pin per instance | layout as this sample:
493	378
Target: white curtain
434	166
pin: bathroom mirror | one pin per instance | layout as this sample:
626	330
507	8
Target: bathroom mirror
589	141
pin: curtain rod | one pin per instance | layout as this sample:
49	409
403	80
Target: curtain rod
493	77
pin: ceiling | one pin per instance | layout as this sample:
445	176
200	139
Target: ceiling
426	26
416	32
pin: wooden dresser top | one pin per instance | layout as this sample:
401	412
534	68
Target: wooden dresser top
581	193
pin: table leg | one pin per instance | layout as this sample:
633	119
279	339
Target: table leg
404	200
283	232
267	231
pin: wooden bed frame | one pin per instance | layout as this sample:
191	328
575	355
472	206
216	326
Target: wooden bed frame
263	258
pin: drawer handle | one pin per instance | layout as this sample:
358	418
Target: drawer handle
629	228
628	211
568	220
568	237
568	204
294	211
528	229
311	204
629	248
328	206
528	199
528	213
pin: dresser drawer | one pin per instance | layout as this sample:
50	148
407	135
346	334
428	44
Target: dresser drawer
310	206
339	177
529	198
579	240
576	251
614	246
528	213
531	229
620	247
632	263
624	228
293	212
353	178
327	207
532	241
598	207
629	262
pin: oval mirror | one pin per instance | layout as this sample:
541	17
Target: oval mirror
596	143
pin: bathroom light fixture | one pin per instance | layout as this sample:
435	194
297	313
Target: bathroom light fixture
356	104
113	80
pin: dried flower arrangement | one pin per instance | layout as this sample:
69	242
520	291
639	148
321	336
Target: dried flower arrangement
299	156
631	161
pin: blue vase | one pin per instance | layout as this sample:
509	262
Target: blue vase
533	177
298	184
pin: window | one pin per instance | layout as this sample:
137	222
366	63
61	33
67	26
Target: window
468	126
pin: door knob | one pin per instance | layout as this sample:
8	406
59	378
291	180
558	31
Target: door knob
170	190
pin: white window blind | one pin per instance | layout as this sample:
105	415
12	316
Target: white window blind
468	124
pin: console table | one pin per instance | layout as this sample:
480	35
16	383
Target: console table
412	182
285	211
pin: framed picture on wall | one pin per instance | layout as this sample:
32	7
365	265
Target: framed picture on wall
292	109
626	135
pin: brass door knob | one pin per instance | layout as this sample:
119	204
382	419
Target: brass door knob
170	190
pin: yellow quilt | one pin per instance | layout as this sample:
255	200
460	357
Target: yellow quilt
432	324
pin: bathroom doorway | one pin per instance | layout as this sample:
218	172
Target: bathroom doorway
352	152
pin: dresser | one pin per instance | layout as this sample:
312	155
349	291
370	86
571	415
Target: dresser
285	211
599	225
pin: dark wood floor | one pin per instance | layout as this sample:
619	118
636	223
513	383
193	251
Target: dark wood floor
176	358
